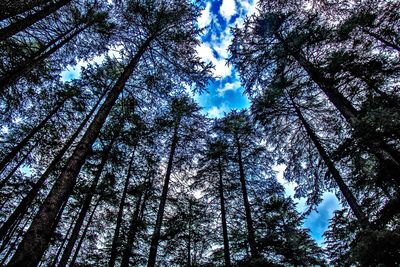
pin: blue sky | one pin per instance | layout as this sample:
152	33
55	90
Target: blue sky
225	91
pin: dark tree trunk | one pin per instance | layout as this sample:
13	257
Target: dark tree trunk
227	256
78	247
16	167
344	189
160	214
115	242
249	220
12	76
381	39
388	156
28	199
38	236
10	8
131	233
16	149
29	20
86	205
54	263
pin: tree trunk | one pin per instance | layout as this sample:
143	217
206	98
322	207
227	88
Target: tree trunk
78	247
249	220
15	150
12	8
29	20
160	214
381	39
388	156
38	235
189	246
16	167
12	76
28	199
131	233
115	242
86	205
54	263
344	189
227	256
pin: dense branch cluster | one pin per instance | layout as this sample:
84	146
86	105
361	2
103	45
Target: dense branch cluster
119	166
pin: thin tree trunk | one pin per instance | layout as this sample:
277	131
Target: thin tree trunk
78	247
12	246
38	235
29	20
54	263
115	242
28	199
227	256
13	75
16	149
344	189
131	233
387	155
189	260
382	40
16	167
86	205
249	220
160	214
12	8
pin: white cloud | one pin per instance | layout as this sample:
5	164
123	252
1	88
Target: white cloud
205	17
217	112
221	69
228	9
229	87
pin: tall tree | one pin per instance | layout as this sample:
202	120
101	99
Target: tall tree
182	113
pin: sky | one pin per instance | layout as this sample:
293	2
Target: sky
226	93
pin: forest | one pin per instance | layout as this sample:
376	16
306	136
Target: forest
121	166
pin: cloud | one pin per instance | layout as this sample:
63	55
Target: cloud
205	17
217	112
228	9
233	86
221	69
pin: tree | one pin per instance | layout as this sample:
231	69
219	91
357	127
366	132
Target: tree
37	237
183	117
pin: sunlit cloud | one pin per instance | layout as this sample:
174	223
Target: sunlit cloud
205	18
228	9
217	112
229	86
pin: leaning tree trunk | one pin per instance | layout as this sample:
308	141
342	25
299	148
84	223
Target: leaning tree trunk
86	205
28	199
131	233
78	247
387	156
60	248
29	20
115	242
381	39
37	238
11	8
227	256
16	167
160	214
249	220
12	76
344	189
16	149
